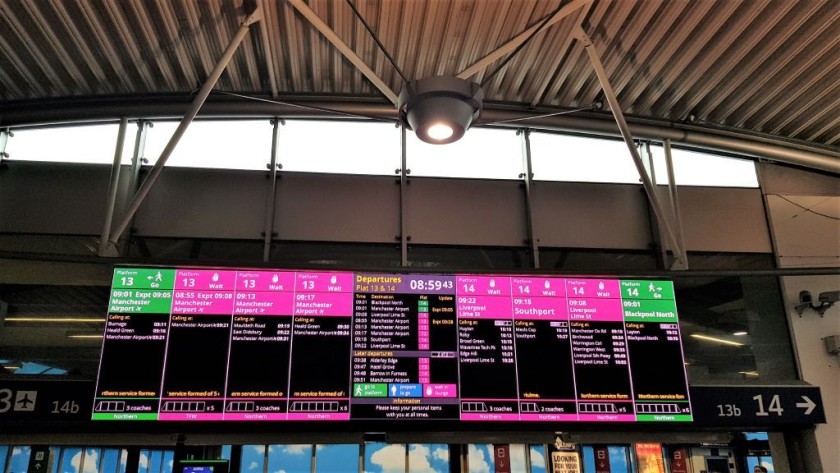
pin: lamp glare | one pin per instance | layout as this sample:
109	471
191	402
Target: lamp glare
440	109
440	131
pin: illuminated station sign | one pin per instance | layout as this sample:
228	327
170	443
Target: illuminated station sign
188	344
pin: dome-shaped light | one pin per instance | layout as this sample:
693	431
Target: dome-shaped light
440	109
440	131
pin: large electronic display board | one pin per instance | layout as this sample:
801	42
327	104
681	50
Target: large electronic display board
198	344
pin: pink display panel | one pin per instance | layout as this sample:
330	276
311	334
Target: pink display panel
271	281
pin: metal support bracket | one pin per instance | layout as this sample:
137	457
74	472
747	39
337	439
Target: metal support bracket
403	184
106	248
272	196
661	217
192	111
528	181
508	47
344	49
4	138
680	263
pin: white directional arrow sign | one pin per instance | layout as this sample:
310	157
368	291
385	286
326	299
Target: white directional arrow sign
808	405
757	405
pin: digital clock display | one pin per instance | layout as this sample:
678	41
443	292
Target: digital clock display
185	344
430	284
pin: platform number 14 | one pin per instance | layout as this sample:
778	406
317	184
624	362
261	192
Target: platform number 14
775	406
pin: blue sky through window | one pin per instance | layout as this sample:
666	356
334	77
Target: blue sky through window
111	461
480	458
618	459
19	461
70	460
337	459
253	459
428	458
422	458
537	458
290	458
384	458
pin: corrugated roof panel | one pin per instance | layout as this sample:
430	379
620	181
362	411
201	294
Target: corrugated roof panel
776	35
545	46
787	83
765	66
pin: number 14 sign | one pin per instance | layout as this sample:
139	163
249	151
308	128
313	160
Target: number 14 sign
765	406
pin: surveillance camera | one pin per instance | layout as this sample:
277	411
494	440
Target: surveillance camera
800	308
829	297
826	301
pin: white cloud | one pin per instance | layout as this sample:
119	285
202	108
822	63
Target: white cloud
75	461
259	449
143	462
517	457
419	459
442	454
301	449
253	466
537	459
91	461
477	460
280	471
391	458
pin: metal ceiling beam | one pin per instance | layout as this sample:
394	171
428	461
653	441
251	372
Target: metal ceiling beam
675	202
269	54
662	218
113	190
519	39
271	203
190	114
342	47
567	42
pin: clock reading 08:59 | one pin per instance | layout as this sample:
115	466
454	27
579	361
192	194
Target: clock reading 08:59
430	284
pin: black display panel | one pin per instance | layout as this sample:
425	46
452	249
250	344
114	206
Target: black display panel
265	345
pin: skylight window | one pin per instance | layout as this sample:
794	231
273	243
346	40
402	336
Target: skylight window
339	147
228	144
576	159
695	168
69	144
480	154
556	157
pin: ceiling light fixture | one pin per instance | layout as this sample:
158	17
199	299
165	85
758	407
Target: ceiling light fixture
716	340
440	109
741	333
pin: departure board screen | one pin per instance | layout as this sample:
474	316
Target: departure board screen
199	344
